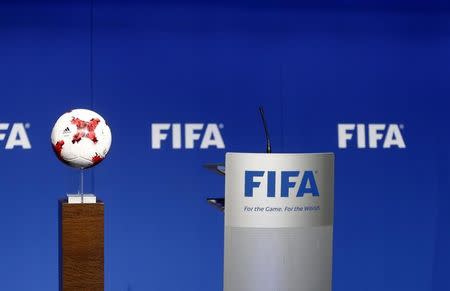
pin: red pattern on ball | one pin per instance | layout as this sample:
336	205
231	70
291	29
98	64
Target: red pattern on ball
96	159
85	129
57	148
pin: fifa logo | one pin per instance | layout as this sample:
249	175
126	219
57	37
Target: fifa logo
16	137
206	136
289	181
384	135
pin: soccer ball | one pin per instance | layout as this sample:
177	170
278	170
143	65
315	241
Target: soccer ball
81	138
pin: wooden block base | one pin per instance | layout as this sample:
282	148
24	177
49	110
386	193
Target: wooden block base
81	244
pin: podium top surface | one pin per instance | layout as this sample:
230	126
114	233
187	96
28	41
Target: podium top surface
281	154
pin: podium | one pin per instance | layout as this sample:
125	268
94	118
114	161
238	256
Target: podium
81	246
278	222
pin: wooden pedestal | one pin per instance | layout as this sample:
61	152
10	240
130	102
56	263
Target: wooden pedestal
81	246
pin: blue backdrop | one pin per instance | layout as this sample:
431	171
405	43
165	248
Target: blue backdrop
313	65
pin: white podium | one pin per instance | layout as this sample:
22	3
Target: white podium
278	222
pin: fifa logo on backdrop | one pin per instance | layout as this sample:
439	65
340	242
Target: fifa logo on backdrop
371	135
15	135
305	180
187	135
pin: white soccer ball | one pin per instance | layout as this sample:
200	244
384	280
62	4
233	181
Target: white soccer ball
81	138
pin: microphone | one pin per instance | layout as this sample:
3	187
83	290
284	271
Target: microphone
219	203
266	131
